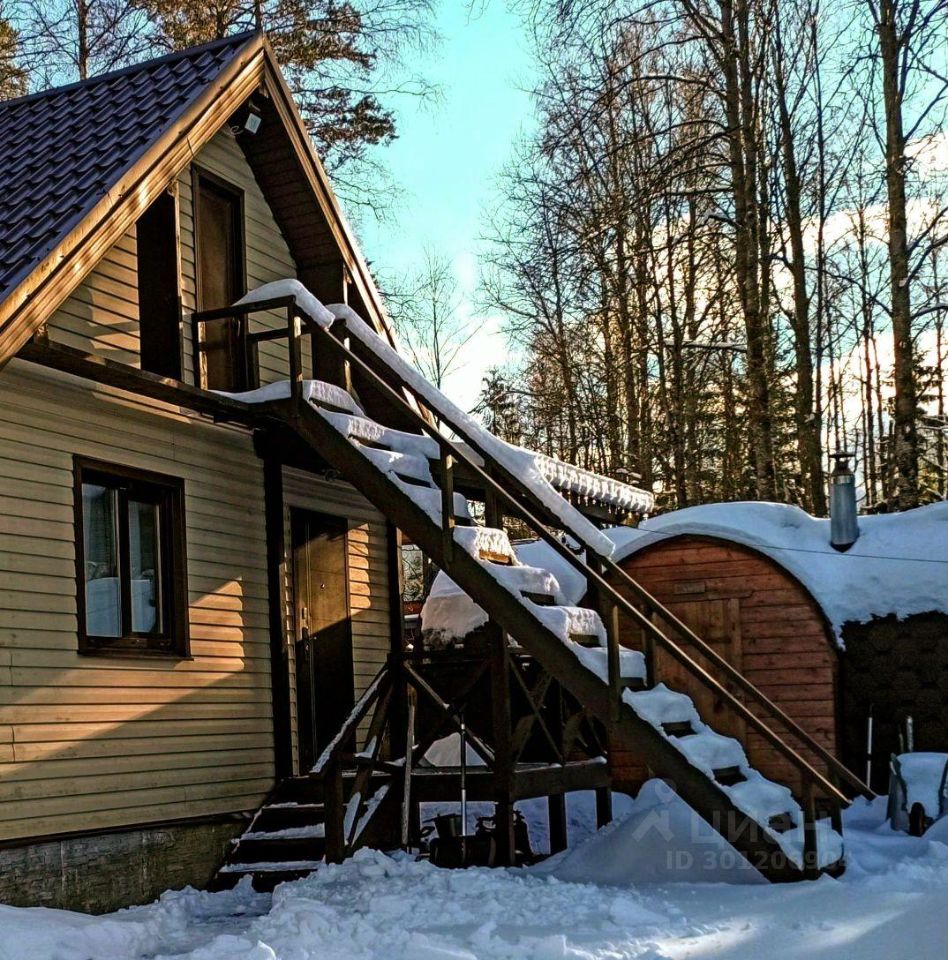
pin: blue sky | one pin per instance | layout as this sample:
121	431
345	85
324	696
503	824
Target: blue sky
447	155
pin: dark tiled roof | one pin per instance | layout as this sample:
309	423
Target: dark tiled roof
62	149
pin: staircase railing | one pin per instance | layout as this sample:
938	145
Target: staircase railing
510	492
595	578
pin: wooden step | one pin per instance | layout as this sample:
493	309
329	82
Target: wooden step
414	481
781	823
635	684
678	728
728	776
489	556
297	790
585	639
277	850
277	817
263	881
540	599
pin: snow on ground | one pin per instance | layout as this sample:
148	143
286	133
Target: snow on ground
890	905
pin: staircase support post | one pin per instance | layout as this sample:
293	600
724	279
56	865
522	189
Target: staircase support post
503	749
335	814
811	866
556	805
406	790
447	503
296	356
603	806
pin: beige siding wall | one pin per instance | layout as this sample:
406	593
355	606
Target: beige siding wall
92	742
368	570
101	317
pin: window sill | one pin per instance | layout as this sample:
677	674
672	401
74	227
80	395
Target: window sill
131	653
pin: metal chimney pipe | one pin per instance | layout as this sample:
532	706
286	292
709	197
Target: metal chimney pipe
844	527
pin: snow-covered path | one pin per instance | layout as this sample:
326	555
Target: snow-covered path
891	904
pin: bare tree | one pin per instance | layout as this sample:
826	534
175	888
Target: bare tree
908	44
426	308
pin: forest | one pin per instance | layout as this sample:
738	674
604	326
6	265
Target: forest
722	255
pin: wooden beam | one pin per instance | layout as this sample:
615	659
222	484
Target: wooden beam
546	780
279	653
142	383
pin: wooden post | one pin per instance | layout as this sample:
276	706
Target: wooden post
406	792
811	869
615	669
447	504
651	667
603	806
503	750
295	356
556	804
335	814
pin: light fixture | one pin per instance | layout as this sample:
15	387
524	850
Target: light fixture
253	120
246	120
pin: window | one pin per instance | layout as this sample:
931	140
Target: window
130	561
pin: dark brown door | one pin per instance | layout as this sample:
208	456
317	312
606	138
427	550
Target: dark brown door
220	281
324	676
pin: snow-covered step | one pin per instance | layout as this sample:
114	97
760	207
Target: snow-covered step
367	431
576	624
429	500
486	543
661	705
710	751
781	822
314	831
405	466
532	583
728	776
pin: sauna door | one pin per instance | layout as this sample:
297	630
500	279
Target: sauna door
718	623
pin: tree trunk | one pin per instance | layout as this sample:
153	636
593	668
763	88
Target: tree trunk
905	414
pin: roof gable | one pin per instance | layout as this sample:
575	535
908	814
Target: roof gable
64	148
153	119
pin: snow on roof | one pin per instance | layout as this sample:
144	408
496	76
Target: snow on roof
899	564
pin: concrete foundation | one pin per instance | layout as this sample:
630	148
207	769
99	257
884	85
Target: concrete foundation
98	873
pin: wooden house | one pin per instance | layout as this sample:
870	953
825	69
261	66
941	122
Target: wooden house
201	503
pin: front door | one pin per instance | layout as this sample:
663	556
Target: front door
325	692
228	364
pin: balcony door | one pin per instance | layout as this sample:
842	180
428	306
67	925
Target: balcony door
227	362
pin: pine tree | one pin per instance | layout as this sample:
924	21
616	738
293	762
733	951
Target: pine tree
12	75
327	49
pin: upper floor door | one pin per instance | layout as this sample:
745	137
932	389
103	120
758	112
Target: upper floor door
229	364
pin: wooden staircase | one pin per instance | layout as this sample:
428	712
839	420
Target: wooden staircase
286	838
409	478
